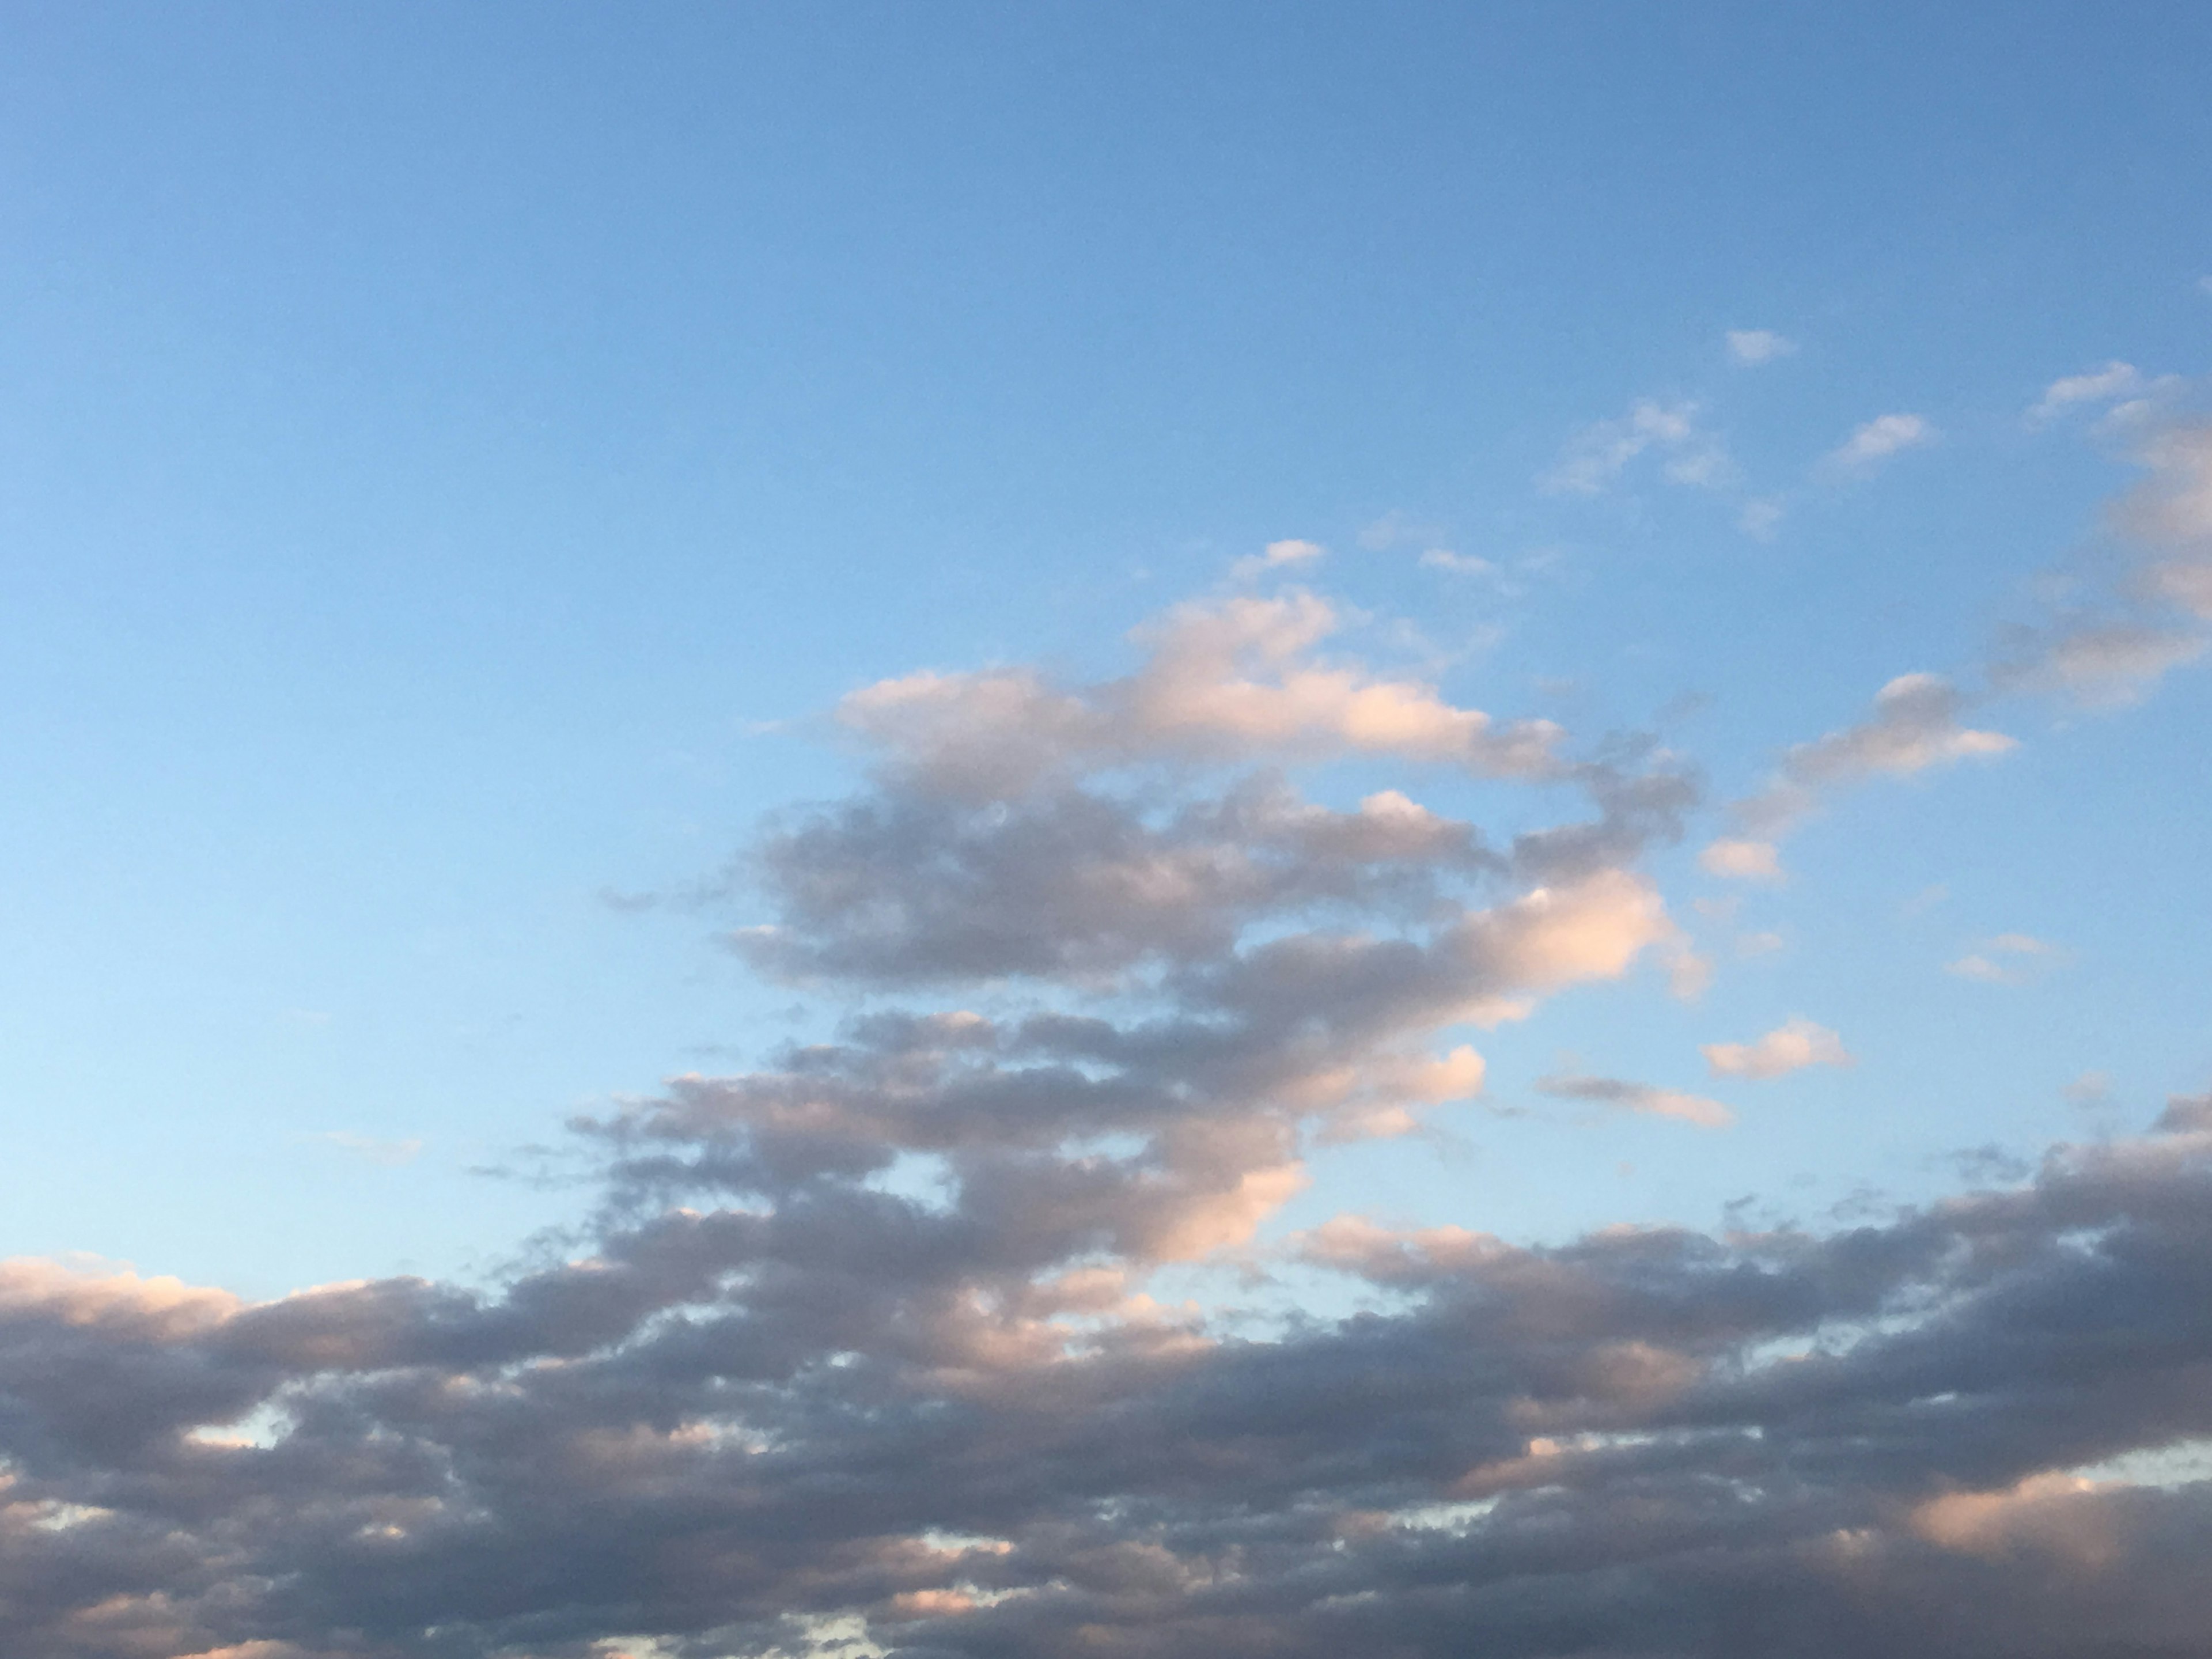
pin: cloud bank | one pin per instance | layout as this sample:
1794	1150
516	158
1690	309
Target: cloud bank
862	1353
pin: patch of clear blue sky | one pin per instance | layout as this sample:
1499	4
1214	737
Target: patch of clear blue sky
432	439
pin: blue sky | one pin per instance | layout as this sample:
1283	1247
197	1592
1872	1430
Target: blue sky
438	444
459	468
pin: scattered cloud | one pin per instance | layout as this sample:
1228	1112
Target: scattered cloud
1596	456
2007	959
1465	564
1396	528
2089	1089
2099	664
1914	726
1234	680
1791	1047
1107	975
1874	443
1751	347
1741	859
1278	555
2107	384
1761	517
1641	1098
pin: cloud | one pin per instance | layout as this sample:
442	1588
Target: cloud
1741	860
2007	959
1396	527
1595	457
754	1432
1874	442
2170	511
1791	1047
1278	555
1468	565
2099	664
1914	727
1750	347
1233	680
1639	1097
869	1345
2113	381
1760	517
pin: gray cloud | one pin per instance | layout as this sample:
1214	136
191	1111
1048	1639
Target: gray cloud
862	1343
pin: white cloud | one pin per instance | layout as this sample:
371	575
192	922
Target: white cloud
1791	1047
1874	442
1595	456
1741	859
2099	385
1753	346
1276	555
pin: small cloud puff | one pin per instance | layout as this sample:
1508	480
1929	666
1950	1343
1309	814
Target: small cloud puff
1751	347
1275	556
1874	442
1791	1047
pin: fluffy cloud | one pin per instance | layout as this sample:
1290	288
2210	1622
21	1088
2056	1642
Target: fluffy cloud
1791	1047
1229	682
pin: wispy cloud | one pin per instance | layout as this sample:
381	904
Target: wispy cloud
1596	456
2007	959
1641	1098
1278	555
390	1154
2113	381
1875	442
